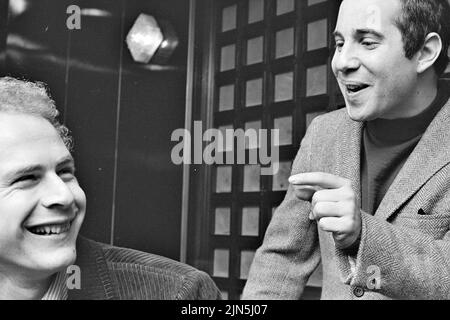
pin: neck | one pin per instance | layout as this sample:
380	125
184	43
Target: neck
423	95
19	288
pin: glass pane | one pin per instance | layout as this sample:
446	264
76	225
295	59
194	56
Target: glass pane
284	86
316	81
280	179
227	144
253	93
317	34
222	221
311	2
250	221
229	18
223	179
252	143
284	6
284	45
310	117
255	10
227	58
251	178
226	97
255	50
246	261
221	263
284	125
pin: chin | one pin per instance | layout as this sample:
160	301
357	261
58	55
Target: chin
356	115
360	113
55	261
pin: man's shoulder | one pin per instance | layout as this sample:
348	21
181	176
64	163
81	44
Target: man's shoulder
152	276
148	261
332	118
325	126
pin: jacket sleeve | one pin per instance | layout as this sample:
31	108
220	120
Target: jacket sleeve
290	250
199	286
411	264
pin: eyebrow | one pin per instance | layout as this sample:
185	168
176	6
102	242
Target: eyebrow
370	31
360	32
337	34
67	160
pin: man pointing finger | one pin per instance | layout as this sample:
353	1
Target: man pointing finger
370	186
334	205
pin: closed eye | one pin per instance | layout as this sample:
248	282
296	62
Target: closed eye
369	43
29	178
67	173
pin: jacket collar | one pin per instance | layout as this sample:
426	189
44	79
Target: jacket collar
431	154
96	282
349	156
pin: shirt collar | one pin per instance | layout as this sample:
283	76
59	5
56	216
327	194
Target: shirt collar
58	287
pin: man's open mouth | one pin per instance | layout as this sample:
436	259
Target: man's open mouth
354	88
51	229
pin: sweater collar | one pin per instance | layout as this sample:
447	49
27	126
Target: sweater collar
397	131
96	282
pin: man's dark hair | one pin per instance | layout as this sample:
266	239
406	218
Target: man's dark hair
31	98
418	19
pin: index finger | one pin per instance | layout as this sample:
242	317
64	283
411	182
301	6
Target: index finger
321	179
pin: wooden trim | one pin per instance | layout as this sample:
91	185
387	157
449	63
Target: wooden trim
4	5
203	99
188	126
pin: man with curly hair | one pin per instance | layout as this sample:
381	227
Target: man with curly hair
42	208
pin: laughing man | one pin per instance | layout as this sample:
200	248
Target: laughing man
370	187
42	208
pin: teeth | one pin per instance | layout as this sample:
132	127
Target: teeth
355	88
51	229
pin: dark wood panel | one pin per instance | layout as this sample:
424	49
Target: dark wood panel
92	100
152	106
3	33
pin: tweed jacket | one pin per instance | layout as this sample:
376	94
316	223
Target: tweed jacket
113	273
407	239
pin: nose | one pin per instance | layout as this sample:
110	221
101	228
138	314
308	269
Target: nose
57	193
345	60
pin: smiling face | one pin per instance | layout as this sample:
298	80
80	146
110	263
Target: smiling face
41	204
375	77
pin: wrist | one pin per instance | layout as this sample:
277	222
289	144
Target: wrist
352	250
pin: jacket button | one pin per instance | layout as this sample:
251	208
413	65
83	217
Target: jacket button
358	291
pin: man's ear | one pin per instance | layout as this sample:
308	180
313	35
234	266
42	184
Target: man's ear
430	51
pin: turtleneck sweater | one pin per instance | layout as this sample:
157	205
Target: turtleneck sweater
387	144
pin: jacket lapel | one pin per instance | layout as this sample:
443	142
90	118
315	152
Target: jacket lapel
96	282
430	155
349	154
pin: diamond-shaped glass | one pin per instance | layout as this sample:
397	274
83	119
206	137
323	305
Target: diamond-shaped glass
144	38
